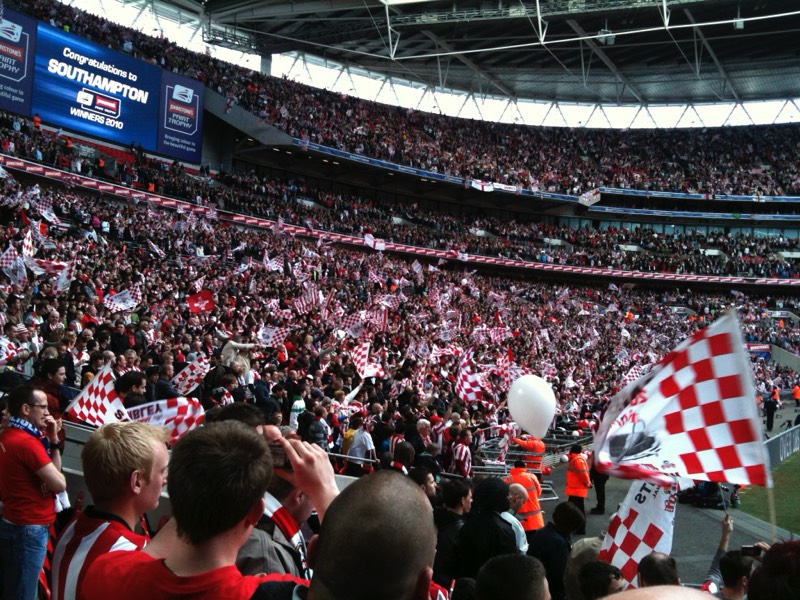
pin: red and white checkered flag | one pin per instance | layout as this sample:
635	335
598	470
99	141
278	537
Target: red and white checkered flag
191	375
9	257
40	266
468	386
504	368
692	416
27	244
643	524
636	372
64	279
155	249
122	301
272	337
98	403
179	415
364	368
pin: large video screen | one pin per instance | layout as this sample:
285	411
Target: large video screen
79	85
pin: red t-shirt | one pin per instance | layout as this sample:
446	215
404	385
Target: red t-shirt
91	535
26	499
137	575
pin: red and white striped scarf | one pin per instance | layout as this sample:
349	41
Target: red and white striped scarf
286	523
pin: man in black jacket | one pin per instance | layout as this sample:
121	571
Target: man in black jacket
449	520
485	533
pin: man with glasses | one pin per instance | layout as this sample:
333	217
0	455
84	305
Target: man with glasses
30	477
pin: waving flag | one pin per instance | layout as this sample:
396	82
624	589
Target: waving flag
98	403
360	356
692	416
27	244
179	415
643	524
65	278
202	302
273	337
9	257
155	249
191	375
120	302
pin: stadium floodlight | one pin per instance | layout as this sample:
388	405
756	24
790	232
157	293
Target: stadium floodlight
605	36
399	2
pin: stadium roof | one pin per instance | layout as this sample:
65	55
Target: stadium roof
607	51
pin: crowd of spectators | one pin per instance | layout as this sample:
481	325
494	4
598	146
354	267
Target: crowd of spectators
738	160
639	248
582	339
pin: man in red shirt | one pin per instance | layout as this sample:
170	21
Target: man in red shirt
217	478
30	477
125	469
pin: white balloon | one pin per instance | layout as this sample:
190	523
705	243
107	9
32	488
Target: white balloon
576	434
532	404
564	458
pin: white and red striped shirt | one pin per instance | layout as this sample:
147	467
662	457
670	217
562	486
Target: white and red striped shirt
89	536
462	460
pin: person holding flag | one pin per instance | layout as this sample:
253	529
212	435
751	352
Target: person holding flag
689	418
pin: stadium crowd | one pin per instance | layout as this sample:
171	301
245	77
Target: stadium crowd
325	300
737	160
275	197
585	338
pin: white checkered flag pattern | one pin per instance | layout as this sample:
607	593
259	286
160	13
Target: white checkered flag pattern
692	416
191	375
364	368
98	403
272	337
121	302
643	524
468	386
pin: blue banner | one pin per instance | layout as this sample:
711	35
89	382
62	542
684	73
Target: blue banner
111	96
17	44
180	117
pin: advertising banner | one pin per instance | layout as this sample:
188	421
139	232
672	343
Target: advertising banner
180	117
17	43
109	95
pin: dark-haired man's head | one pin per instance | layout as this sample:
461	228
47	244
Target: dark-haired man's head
516	576
248	414
599	579
568	518
132	382
457	495
377	542
778	577
735	570
217	478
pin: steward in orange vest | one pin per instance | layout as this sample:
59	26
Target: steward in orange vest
578	481
536	448
530	514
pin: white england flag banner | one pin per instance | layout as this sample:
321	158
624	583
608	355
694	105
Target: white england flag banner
643	524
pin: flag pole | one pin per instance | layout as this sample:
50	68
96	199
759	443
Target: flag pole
772	517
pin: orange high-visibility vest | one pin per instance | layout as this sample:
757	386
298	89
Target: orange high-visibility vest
530	514
536	446
578	480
